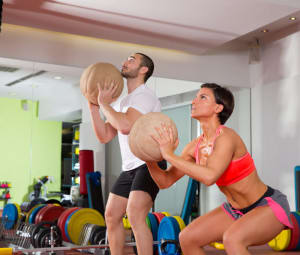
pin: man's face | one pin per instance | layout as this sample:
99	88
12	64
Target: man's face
131	67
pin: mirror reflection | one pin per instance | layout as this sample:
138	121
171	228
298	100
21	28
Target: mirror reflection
45	123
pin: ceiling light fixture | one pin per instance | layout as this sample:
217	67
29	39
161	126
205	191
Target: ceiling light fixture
265	30
57	77
292	18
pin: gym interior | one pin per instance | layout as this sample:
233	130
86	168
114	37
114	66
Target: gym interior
47	136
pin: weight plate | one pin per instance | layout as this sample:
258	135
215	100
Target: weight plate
9	216
40	212
32	215
154	225
217	245
159	216
54	202
294	234
77	219
180	222
50	213
148	222
297	217
19	210
62	221
281	241
168	234
126	222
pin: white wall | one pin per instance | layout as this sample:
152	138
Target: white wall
276	113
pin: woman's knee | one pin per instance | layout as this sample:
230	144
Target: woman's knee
232	240
186	238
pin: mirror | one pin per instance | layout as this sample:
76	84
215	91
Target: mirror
41	111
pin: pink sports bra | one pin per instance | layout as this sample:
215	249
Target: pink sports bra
236	170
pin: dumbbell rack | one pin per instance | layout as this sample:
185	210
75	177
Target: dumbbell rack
18	240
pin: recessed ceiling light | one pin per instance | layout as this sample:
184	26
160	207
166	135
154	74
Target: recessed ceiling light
292	18
57	77
265	30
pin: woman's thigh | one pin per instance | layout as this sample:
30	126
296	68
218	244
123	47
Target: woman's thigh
208	228
258	226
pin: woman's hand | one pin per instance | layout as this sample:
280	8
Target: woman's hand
165	138
105	95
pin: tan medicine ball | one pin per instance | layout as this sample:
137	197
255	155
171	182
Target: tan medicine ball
102	73
141	143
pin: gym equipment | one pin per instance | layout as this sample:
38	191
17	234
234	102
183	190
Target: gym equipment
140	135
9	216
31	216
126	222
86	163
77	219
49	213
41	235
297	187
288	239
295	233
103	74
89	248
281	241
180	222
47	237
62	221
189	199
159	216
168	234
94	190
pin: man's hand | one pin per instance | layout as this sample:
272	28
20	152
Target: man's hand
106	94
93	106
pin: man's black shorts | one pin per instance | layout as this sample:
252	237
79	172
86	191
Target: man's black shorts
137	179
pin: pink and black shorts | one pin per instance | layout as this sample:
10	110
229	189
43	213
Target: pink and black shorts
273	198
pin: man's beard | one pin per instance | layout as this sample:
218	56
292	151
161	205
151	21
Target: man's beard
131	74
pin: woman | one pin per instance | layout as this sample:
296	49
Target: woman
254	213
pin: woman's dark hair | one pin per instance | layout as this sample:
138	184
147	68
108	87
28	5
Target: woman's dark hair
147	62
224	97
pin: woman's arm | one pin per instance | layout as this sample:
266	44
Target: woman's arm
166	178
217	162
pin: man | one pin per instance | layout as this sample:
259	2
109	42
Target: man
134	192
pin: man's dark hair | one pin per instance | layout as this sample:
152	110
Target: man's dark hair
224	97
147	62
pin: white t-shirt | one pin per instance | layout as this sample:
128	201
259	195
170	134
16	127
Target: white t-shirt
143	100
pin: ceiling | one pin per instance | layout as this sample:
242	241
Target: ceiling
171	30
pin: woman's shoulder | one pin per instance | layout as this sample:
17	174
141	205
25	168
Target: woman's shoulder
227	134
228	131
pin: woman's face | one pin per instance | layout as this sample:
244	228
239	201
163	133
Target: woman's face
204	104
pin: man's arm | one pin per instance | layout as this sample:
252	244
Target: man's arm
119	120
104	131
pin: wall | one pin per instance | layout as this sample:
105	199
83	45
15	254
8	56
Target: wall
29	148
276	113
